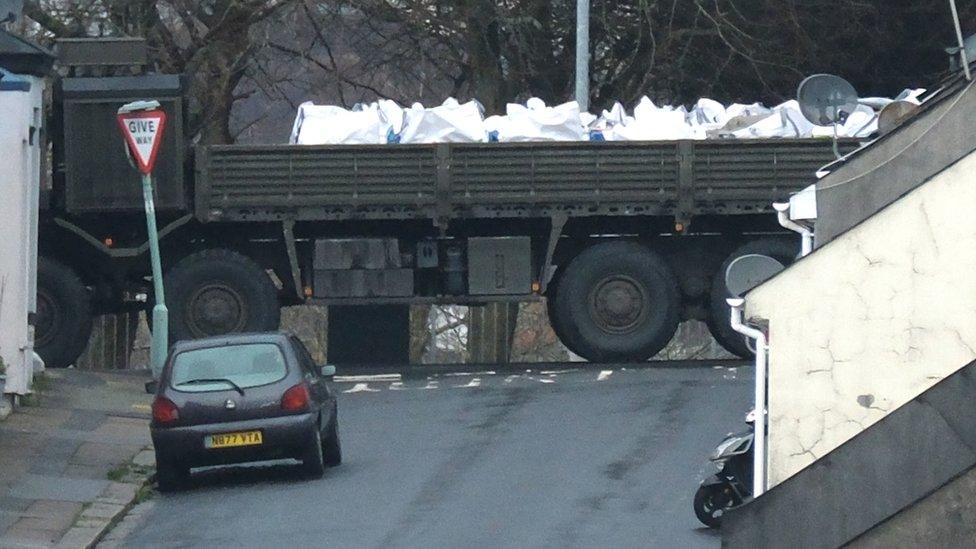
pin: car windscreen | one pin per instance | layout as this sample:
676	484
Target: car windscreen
245	366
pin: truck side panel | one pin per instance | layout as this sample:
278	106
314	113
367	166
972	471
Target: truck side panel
236	183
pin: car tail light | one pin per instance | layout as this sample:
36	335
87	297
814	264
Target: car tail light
164	411
295	399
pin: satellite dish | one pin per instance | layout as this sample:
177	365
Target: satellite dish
826	100
894	114
749	271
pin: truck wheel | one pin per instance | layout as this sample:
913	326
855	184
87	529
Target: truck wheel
554	323
63	323
718	317
216	292
616	301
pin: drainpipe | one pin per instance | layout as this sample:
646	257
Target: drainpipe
759	444
806	233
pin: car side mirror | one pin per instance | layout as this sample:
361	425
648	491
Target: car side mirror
152	387
328	370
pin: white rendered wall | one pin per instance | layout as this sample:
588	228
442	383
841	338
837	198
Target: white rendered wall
870	320
19	188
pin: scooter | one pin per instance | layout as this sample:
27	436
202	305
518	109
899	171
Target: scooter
731	486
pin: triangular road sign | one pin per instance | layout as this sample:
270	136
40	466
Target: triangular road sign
143	133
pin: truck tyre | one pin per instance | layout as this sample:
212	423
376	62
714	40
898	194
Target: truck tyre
216	292
557	327
63	323
617	301
718	318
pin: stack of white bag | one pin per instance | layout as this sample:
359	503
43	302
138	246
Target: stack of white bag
362	125
537	122
454	122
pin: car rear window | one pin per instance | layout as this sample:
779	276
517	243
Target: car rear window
246	366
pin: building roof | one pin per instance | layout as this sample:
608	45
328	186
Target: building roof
866	181
22	57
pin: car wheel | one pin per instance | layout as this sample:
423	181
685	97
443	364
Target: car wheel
170	475
331	447
312	461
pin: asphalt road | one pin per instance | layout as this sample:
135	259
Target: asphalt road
579	458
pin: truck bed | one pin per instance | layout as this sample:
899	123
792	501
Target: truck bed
449	181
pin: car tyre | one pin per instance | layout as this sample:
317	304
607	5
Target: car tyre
313	464
170	475
331	447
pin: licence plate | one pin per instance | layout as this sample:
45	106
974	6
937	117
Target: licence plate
233	440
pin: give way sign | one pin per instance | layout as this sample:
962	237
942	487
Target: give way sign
143	132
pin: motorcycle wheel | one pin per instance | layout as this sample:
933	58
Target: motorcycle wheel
711	502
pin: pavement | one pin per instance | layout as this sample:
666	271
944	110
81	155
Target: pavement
572	456
64	458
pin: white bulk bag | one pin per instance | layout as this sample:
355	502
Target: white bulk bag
653	123
451	122
535	121
329	125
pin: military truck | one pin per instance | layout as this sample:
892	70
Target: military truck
623	240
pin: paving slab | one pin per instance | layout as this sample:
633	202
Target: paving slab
58	488
55	457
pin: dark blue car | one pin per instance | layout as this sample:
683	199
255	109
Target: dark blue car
242	398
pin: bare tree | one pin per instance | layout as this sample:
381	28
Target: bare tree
212	42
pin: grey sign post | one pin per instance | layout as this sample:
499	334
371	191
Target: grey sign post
142	124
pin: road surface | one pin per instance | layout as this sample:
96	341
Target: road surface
555	458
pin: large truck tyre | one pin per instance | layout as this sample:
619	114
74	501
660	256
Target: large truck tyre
554	323
719	325
616	301
63	323
216	292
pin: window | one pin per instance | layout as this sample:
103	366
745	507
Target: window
246	366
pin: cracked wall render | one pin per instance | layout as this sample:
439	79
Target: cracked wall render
870	320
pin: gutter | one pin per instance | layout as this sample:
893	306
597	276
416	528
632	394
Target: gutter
762	352
806	233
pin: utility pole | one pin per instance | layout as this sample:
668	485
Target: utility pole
583	54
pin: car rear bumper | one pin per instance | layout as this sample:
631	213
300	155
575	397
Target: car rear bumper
283	437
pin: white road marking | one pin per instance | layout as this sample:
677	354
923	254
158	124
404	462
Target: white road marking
509	379
475	382
467	374
397	386
377	377
604	375
431	385
554	372
361	388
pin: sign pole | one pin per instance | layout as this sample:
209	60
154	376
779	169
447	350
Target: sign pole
141	124
160	314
